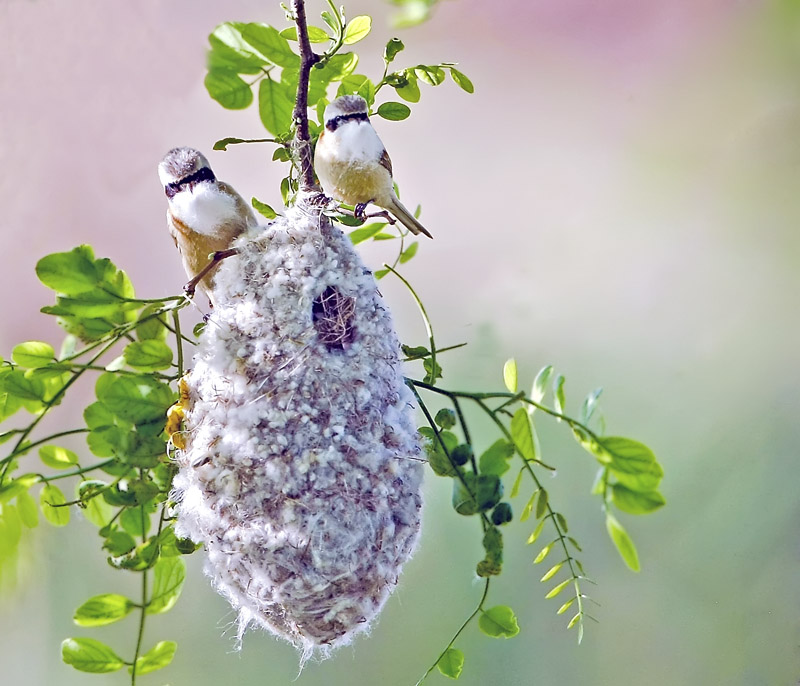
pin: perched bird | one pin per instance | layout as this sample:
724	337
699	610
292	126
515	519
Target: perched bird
205	215
352	164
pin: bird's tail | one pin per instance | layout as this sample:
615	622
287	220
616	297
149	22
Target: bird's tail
407	219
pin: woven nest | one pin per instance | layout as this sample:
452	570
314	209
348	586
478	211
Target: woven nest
301	469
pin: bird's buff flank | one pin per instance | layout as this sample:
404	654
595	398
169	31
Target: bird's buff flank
302	468
352	164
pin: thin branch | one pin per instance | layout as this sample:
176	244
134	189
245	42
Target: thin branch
308	58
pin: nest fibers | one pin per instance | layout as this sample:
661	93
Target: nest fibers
301	470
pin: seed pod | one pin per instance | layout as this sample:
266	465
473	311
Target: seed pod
301	471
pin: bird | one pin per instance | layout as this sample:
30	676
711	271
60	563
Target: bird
352	164
205	215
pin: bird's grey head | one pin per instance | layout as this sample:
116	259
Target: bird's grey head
344	109
182	168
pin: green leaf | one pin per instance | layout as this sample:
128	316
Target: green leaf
394	46
523	435
158	657
510	375
537	531
315	34
26	507
495	459
365	233
262	207
498	621
543	553
148	355
380	274
394	111
170	573
143	451
481	492
632	463
57	458
33	354
136	399
526	511
635	502
590	405
451	663
561	610
516	485
97	415
22	387
431	75
50	498
623	541
461	79
541	504
275	106
231	52
103	609
96	509
557	589
540	384
119	543
90	655
135	520
445	418
70	273
550	573
409	252
152	326
357	29
270	44
229	89
408	88
558	394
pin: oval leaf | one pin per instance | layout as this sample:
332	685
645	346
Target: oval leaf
635	502
357	29
499	621
394	111
510	375
170	573
149	355
50	499
33	354
461	79
522	434
275	106
158	657
90	655
69	273
623	541
229	89
451	663
103	609
57	458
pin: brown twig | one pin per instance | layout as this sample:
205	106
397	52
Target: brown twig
307	60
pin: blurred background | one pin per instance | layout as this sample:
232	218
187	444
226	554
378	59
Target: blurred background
619	198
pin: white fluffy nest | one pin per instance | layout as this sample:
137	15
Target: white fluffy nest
301	473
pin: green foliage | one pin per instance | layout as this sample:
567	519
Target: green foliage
135	350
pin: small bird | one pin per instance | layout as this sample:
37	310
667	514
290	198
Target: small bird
205	215
352	164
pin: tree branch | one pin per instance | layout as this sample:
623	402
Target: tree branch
302	139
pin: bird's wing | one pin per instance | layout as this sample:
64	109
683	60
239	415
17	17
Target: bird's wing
386	162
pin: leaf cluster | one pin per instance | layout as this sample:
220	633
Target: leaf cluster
122	478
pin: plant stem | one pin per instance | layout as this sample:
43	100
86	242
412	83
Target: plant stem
308	58
458	633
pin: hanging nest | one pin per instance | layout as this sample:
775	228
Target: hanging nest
301	466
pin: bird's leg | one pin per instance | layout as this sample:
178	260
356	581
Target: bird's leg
358	210
216	258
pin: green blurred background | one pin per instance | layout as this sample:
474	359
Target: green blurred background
619	198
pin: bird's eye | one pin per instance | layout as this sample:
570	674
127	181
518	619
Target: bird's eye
171	189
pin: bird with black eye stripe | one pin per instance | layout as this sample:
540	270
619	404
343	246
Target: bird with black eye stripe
205	215
352	164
